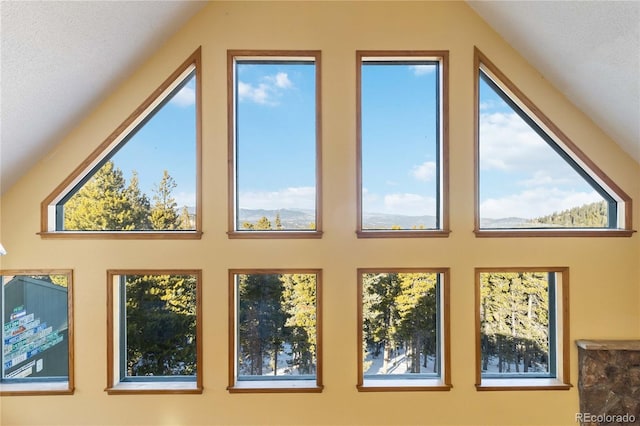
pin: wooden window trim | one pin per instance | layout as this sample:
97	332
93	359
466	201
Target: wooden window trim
482	61
283	55
563	360
48	388
442	56
195	60
444	382
114	385
233	388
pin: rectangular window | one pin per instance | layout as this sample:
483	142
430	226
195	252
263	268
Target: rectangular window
274	144
154	337
403	332
402	144
37	332
274	334
522	328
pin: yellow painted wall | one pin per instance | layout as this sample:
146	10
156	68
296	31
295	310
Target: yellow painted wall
605	277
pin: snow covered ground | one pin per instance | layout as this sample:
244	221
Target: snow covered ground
398	364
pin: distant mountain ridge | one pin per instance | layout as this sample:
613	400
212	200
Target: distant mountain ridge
588	215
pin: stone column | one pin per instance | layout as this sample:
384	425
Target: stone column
609	381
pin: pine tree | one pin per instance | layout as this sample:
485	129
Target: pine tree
161	325
261	321
185	219
163	213
102	204
299	303
416	303
139	202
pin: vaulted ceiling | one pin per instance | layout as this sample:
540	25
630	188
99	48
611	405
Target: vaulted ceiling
59	59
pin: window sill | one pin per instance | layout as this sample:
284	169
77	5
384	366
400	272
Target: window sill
510	233
419	233
403	385
122	235
40	388
275	386
159	387
274	235
522	384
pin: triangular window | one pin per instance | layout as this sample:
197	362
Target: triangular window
531	177
144	177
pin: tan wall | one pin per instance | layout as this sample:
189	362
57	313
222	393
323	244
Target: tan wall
605	296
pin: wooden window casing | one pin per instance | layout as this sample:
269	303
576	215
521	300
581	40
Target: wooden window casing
560	306
155	385
570	149
267	385
26	387
270	57
48	207
442	58
402	384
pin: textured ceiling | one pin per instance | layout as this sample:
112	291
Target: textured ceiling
58	59
589	50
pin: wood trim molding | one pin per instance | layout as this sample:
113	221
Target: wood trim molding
444	382
195	60
284	56
114	385
562	381
232	317
49	388
442	56
572	150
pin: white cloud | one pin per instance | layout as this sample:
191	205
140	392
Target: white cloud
409	204
185	199
535	202
267	91
258	95
185	97
280	80
419	70
424	172
507	142
303	197
509	146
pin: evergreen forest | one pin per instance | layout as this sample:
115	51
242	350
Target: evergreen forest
106	202
400	323
514	317
277	314
277	332
160	325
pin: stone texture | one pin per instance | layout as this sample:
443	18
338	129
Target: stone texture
609	380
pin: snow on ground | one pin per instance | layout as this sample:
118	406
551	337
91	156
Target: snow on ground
398	364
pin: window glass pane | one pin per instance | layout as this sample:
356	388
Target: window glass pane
149	180
400	145
275	145
516	320
276	329
525	182
35	333
159	336
400	324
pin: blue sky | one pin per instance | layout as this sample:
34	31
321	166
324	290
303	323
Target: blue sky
399	138
166	141
520	175
276	135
